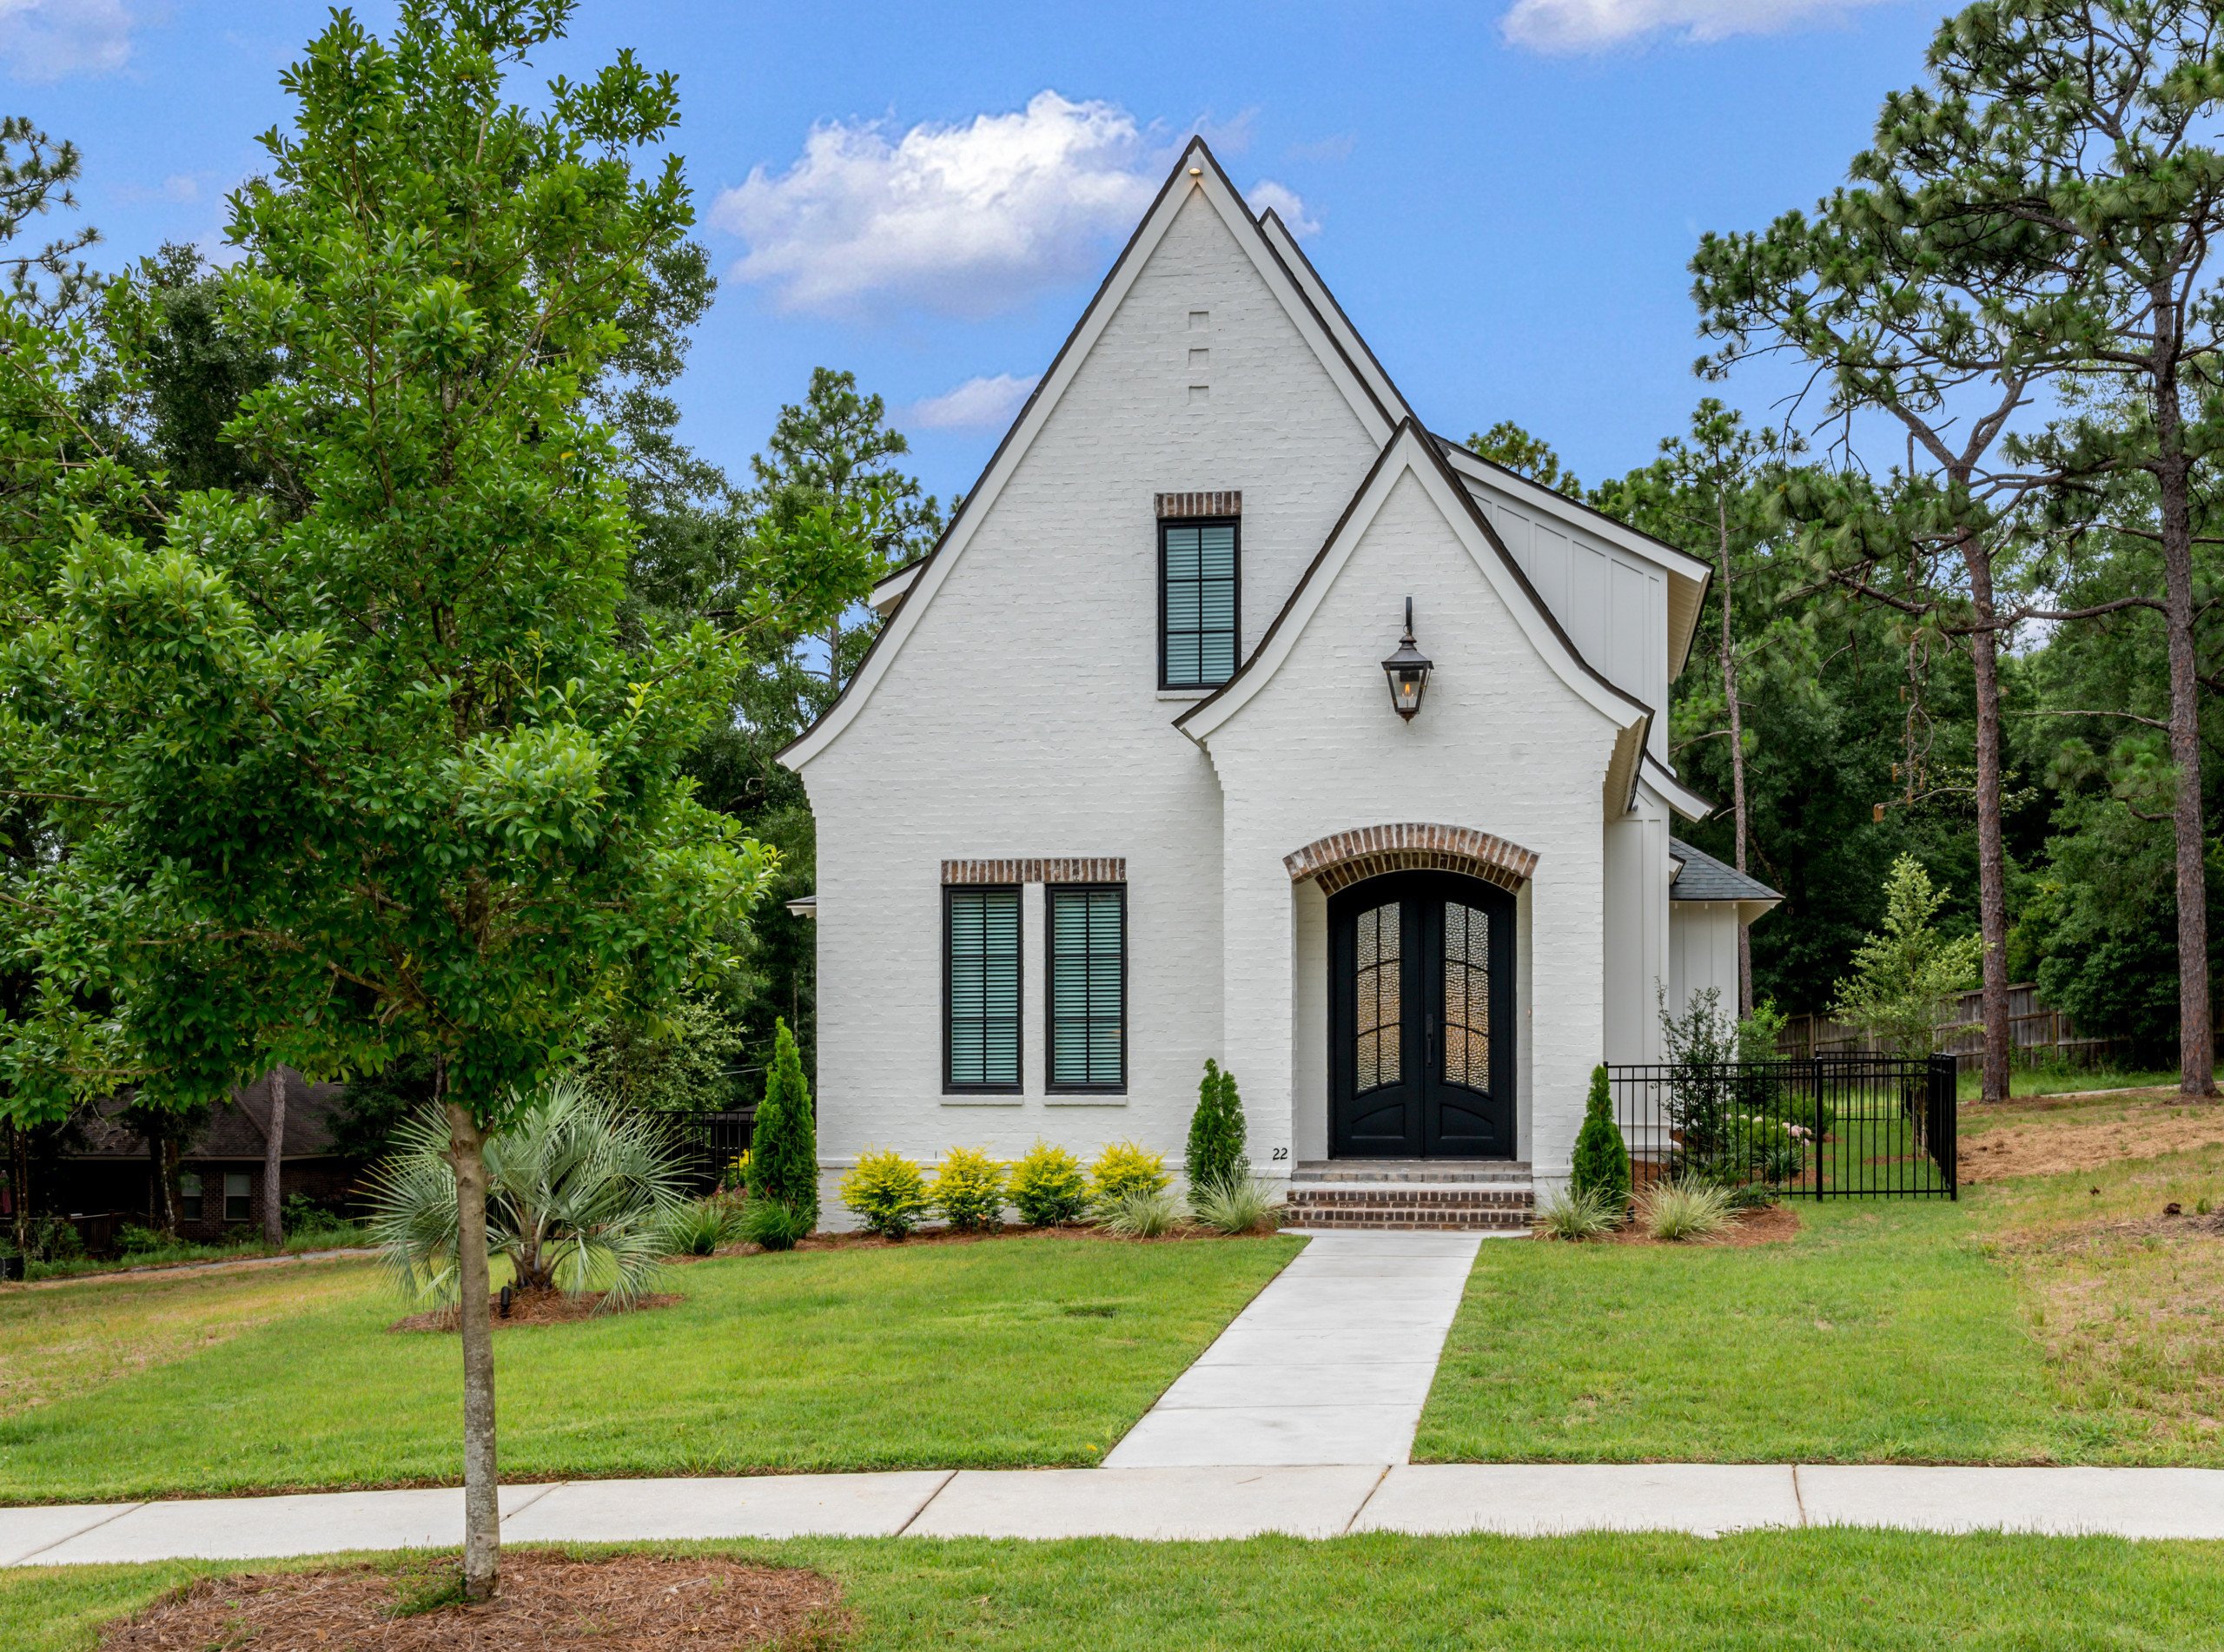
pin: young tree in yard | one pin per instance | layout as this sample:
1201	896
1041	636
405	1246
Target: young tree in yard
1902	977
1214	1157
2066	159
485	836
1703	493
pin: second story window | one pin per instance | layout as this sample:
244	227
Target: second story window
1199	611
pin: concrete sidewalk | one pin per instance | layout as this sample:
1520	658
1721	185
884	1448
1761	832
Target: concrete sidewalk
1163	1504
1330	1363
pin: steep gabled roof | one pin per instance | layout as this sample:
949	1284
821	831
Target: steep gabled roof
1412	451
1197	170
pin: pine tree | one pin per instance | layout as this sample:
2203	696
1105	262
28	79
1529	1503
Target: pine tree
783	1149
1601	1165
1215	1151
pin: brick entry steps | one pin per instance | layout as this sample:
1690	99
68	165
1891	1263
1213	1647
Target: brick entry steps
1467	1196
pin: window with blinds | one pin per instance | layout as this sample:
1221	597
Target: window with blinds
1198	604
1088	987
981	953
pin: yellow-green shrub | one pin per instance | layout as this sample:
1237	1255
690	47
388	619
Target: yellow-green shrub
1048	1186
968	1189
1126	1167
886	1193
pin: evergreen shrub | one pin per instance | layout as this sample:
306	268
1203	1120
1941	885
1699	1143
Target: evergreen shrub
1126	1167
1048	1186
886	1193
968	1190
1215	1155
1601	1165
783	1147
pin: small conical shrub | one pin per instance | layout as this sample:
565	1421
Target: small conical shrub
1602	1159
783	1149
1215	1151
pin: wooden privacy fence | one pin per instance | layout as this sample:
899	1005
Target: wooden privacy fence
2036	1034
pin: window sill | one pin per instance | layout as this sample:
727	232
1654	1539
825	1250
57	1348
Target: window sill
1086	1099
999	1099
1186	693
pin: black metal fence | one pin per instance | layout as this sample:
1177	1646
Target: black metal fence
1862	1125
706	1143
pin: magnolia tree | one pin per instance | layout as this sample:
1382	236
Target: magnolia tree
378	774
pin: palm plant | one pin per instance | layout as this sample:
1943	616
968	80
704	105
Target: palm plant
579	1197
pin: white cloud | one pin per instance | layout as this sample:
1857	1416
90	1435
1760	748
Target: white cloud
179	189
968	219
1268	196
978	403
1593	25
49	40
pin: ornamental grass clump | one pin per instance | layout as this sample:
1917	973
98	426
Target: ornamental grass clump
1683	1207
1240	1203
968	1190
886	1193
1048	1186
700	1226
579	1197
1126	1167
1140	1212
1576	1213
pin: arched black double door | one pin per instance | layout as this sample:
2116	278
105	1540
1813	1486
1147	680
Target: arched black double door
1421	1019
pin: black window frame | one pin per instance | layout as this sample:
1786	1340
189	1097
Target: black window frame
1235	660
1050	1085
949	893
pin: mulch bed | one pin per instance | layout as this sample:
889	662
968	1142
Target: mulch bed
1770	1224
1010	1231
535	1308
626	1603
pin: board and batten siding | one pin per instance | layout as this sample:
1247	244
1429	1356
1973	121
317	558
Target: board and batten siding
1612	604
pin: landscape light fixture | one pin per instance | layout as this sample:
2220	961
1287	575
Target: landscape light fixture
1407	670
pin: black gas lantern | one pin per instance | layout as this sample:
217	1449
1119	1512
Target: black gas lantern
1407	670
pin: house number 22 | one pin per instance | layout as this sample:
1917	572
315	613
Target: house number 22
1281	1153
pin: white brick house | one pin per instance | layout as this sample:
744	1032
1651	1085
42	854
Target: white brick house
1122	785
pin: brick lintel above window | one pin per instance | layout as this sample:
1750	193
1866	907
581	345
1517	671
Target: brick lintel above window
1172	505
1102	869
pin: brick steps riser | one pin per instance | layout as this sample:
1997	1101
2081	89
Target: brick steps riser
1412	1206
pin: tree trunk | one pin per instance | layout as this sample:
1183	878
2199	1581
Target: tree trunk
1736	751
273	1158
163	1201
1992	856
171	1151
19	1184
2196	1059
482	1524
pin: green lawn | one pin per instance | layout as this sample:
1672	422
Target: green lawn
1041	1350
2067	1081
1883	1332
1846	1591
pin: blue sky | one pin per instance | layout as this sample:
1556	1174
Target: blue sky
1506	194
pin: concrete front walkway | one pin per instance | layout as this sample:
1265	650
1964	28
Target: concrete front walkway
1514	1499
1330	1363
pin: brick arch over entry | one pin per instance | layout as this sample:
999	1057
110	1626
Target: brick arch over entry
1341	859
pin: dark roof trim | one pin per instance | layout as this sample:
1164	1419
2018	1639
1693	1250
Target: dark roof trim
1403	410
1427	444
1466	451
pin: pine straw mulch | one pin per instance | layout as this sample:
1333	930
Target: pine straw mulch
536	1308
1769	1225
2016	1139
625	1604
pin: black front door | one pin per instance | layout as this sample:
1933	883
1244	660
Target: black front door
1421	1019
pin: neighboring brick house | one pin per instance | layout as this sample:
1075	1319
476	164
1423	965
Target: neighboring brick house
220	1169
1127	780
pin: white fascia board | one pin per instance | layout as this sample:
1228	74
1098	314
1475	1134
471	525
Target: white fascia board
1409	455
1214	185
1687	575
1331	314
1751	911
890	591
1677	796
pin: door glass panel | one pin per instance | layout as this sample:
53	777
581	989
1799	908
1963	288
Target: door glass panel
1379	1022
1466	997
